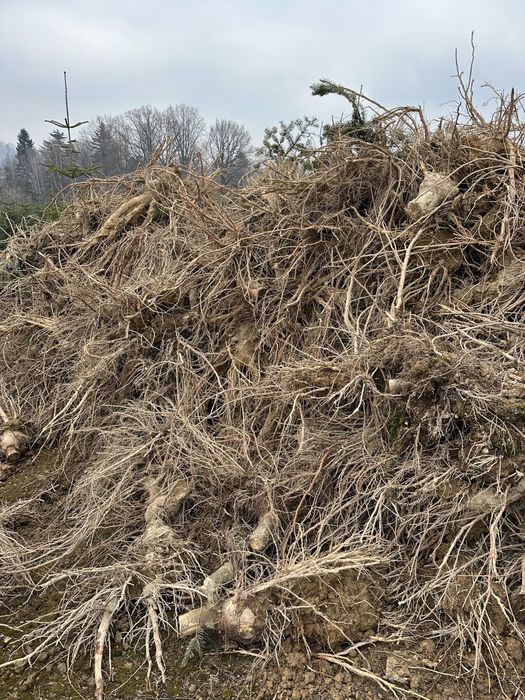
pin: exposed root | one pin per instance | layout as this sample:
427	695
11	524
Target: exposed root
207	616
11	444
109	611
239	620
213	582
157	542
150	595
262	535
396	690
129	212
433	191
193	620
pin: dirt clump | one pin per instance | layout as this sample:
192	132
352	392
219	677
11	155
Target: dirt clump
334	610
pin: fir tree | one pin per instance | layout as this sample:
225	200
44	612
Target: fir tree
71	169
54	150
357	127
26	165
294	140
24	145
104	149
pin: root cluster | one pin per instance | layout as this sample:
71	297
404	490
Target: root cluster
312	383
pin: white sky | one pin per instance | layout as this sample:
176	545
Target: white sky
248	60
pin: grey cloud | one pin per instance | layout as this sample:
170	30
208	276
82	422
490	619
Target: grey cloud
250	61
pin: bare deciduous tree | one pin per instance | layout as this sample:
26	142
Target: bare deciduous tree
184	130
229	147
145	133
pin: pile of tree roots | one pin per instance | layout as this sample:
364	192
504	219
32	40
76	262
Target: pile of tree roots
292	409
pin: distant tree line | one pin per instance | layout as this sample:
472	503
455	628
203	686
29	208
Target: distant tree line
178	135
115	145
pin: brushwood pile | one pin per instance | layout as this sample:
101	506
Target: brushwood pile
295	409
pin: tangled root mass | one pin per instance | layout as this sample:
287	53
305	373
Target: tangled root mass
297	405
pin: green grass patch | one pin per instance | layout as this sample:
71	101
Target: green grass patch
24	214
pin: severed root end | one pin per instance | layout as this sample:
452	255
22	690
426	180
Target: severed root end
194	620
433	191
236	619
207	615
12	444
261	536
240	621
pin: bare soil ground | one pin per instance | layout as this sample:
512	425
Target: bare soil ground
426	669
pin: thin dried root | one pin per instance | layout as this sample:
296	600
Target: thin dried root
153	627
261	536
382	682
160	507
111	607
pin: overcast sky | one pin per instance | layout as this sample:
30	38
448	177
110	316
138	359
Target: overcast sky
247	60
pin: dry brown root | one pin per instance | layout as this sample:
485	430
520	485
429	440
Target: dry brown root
235	618
180	352
240	621
157	537
127	213
261	536
109	611
12	444
207	615
194	620
211	584
433	191
162	506
150	594
489	499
